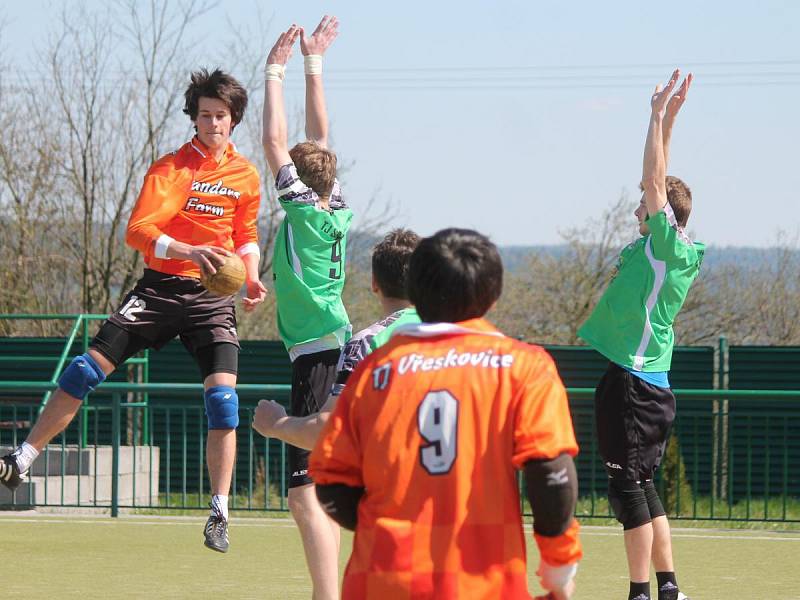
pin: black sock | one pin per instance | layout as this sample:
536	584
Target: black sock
639	591
667	585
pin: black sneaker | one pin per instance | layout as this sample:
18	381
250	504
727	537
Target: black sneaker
216	532
9	473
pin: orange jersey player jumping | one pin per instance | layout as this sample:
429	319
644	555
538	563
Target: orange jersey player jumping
421	453
197	206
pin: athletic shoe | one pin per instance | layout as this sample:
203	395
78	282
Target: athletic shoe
9	473
669	591
216	532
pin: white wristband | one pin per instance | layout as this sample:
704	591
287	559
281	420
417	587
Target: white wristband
313	64
274	72
552	577
162	245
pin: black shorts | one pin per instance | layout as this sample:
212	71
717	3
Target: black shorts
633	420
161	307
312	378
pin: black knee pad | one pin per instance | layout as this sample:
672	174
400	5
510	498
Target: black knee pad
628	501
653	501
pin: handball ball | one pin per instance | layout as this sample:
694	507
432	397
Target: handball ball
228	279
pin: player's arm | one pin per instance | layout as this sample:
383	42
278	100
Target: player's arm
313	48
274	136
654	168
544	444
340	502
552	490
335	463
673	107
271	420
157	205
245	243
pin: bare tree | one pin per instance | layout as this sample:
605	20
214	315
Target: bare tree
553	294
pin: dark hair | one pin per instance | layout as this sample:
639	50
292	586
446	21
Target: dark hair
679	197
454	275
216	85
390	258
316	166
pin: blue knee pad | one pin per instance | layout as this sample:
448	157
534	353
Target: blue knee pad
222	407
81	376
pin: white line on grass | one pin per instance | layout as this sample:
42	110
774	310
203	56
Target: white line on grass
587	530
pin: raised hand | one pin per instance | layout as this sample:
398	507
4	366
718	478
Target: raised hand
322	38
658	102
678	98
282	50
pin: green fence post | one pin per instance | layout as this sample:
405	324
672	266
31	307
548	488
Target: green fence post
146	376
115	441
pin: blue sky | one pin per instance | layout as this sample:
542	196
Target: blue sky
522	119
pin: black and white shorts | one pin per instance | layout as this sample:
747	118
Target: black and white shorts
633	420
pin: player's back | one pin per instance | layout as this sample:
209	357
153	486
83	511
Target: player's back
442	416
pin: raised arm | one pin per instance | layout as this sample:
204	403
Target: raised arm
654	169
673	107
274	137
313	47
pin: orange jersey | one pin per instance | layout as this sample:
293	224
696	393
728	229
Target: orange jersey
191	198
434	426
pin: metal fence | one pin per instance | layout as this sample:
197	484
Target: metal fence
732	455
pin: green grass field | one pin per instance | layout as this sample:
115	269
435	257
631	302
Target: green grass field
55	556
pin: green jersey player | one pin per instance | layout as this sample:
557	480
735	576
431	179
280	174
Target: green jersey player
390	259
632	327
308	270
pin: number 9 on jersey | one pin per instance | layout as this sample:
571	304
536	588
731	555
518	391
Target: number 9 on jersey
437	419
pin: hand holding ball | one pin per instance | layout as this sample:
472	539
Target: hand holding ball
228	279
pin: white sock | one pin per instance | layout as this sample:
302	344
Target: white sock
25	454
219	504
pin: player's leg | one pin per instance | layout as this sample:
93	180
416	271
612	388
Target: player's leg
208	330
659	405
312	378
320	537
618	441
219	364
110	347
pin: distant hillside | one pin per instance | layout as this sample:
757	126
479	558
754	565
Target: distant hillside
514	256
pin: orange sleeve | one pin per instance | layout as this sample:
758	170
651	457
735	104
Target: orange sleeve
564	549
245	229
542	422
156	206
337	456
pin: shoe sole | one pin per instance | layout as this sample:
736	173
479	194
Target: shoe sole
214	548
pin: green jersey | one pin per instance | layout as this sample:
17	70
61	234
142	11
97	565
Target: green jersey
632	323
308	264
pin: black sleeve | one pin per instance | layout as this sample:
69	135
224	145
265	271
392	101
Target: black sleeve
552	487
340	501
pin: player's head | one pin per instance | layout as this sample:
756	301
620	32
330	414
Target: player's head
454	275
215	102
679	197
316	167
390	260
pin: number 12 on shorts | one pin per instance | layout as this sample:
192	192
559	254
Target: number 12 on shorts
437	419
